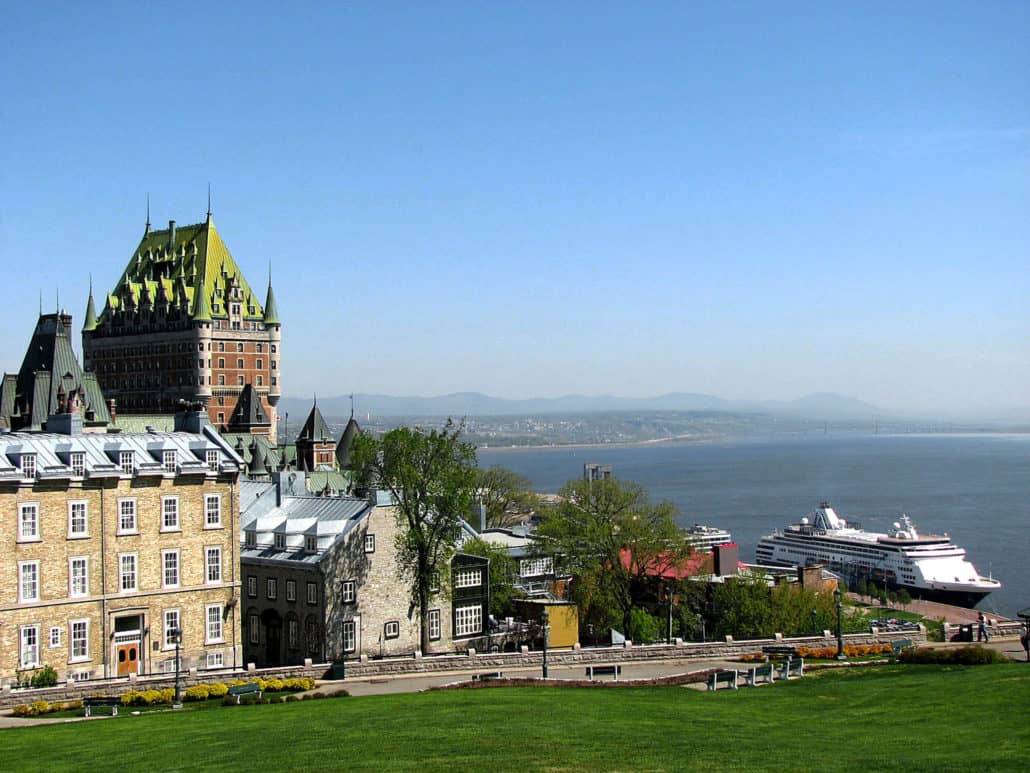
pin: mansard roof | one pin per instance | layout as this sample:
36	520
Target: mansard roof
188	265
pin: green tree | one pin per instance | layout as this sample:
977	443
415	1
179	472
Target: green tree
506	495
503	573
612	541
431	475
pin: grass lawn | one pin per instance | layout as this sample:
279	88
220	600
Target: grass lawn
882	718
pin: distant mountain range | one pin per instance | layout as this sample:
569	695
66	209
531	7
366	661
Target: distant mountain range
821	405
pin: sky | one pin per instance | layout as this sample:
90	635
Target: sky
751	200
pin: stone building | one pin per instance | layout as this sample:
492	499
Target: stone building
183	323
109	542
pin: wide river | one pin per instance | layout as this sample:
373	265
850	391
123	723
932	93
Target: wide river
976	488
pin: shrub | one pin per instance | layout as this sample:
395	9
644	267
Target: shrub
217	690
44	677
961	656
272	685
199	692
290	699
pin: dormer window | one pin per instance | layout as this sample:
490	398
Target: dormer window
311	544
280	542
127	462
28	465
78	463
168	460
212	460
251	539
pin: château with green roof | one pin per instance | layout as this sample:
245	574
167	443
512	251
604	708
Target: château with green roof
183	323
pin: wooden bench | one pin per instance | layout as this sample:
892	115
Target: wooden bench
898	645
728	678
780	651
239	690
791	668
756	674
101	702
612	671
487	675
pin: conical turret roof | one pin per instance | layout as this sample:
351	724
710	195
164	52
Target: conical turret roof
346	441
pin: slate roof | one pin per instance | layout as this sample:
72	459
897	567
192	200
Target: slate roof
315	428
248	411
346	441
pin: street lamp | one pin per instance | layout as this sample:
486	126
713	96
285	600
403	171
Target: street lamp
176	633
543	616
815	623
840	624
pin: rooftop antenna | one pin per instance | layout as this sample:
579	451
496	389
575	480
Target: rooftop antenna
209	200
148	213
352	406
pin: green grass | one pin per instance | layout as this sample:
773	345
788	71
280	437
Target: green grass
880	718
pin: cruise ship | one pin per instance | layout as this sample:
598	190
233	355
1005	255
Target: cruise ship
704	538
927	566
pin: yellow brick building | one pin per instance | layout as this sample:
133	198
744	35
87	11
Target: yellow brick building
110	542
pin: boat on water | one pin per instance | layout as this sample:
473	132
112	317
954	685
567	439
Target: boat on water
704	538
930	567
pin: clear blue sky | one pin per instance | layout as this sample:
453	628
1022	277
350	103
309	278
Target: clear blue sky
754	200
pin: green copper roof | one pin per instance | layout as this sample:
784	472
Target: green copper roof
176	266
271	312
91	313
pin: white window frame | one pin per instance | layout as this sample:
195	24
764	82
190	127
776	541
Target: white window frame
216	659
212	507
170	507
28	639
310	544
214	630
252	586
349	592
55	637
291	590
72	592
250	538
81	627
28	580
254	628
312	592
271	589
534	567
125	505
169	460
211	457
171	620
468	578
213	569
127	462
175	566
434	624
468	621
77	461
391	630
349	637
370	543
123	573
32	533
279	540
73	505
27	463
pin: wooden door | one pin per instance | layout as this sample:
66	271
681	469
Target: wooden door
128	659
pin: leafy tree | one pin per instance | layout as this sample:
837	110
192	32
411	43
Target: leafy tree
741	607
505	493
503	572
613	541
904	597
431	475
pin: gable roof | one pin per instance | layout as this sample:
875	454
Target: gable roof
315	429
248	412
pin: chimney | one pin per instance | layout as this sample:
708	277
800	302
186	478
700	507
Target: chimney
112	408
64	423
726	557
191	417
171	235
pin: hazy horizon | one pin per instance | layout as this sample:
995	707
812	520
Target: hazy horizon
755	202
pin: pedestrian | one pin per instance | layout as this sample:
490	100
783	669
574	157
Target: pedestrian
981	631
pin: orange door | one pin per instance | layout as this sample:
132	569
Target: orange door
128	659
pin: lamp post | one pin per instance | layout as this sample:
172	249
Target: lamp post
543	616
176	633
840	625
815	623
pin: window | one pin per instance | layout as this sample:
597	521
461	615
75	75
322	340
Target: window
291	590
28	521
213	562
392	629
260	380
171	620
212	459
127	461
78	576
250	538
312	593
215	660
311	544
293	634
260	348
239	364
468	578
239	380
28	581
221	381
169	513
28	465
251	586
253	628
348	593
532	567
76	519
127	567
273	364
434	624
170	568
168	460
212	511
273	348
259	363
55	637
468	620
221	346
29	646
80	639
214	623
349	644
126	516
370	543
271	591
280	542
239	347
78	463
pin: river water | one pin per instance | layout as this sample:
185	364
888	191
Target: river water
976	488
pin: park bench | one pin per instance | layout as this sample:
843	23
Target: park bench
792	667
612	671
766	672
239	690
486	676
779	651
898	645
728	678
89	704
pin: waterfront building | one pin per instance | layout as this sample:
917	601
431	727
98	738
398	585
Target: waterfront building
183	324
